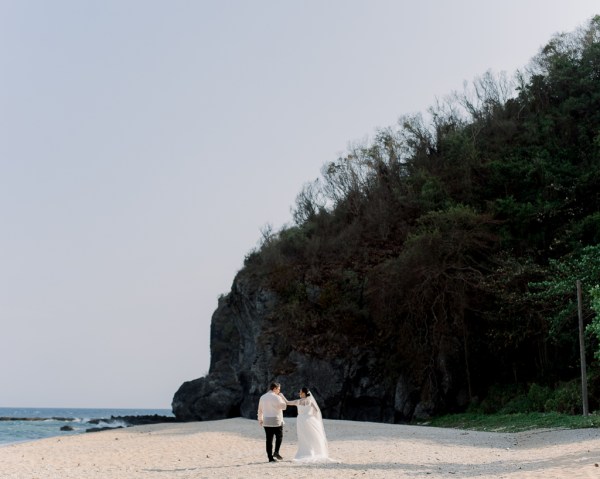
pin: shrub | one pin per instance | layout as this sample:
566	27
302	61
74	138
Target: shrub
538	397
566	399
499	396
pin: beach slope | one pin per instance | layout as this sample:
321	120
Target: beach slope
234	448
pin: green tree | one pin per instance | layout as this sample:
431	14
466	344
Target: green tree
556	296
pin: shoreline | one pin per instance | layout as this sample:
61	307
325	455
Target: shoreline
232	448
19	425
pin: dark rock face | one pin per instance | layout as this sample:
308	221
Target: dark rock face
237	375
246	356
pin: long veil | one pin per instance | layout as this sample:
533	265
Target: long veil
321	439
314	403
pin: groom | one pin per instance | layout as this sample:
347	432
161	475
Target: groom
270	416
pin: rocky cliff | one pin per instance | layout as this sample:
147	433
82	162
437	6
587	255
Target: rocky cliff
431	263
249	350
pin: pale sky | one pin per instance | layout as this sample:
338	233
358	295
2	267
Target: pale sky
144	144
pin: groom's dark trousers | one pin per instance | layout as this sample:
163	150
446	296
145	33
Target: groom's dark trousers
278	433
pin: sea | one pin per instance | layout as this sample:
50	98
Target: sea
30	424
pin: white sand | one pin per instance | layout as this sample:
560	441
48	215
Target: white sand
234	448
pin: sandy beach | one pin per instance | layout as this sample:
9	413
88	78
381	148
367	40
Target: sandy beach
234	448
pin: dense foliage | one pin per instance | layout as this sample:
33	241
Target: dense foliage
458	234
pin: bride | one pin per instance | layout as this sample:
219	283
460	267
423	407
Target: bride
312	443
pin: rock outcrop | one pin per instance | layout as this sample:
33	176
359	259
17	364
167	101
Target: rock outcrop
248	352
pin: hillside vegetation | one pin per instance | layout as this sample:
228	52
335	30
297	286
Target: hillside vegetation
457	236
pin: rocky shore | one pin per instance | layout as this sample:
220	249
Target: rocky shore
113	422
119	422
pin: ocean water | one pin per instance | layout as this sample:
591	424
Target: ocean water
39	423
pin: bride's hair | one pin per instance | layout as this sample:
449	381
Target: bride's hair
306	391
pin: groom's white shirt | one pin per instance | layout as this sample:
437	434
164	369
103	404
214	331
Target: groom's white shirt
270	409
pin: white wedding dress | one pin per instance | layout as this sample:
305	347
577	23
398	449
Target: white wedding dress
312	443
